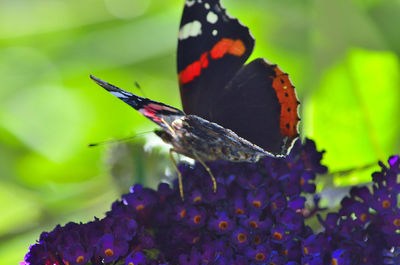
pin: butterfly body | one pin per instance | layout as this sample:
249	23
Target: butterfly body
196	137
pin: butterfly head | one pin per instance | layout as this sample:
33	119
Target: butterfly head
164	135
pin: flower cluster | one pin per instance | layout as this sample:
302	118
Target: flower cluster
256	216
366	230
117	236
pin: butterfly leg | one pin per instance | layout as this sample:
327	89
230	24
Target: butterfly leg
208	170
179	173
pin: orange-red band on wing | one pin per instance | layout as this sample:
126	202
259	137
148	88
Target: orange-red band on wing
286	94
193	70
220	49
227	46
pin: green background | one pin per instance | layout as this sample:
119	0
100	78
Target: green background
342	56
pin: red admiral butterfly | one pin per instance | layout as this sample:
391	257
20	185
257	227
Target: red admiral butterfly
233	112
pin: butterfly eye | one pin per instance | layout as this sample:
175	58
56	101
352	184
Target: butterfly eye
177	124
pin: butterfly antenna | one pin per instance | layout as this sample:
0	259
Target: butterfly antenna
345	172
140	89
118	140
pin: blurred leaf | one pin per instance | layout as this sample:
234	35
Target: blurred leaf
35	17
134	41
50	135
351	115
339	25
387	20
18	208
14	251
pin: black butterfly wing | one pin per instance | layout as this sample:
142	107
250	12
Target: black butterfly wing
212	47
159	113
260	105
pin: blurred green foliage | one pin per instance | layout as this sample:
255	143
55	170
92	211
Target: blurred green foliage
342	55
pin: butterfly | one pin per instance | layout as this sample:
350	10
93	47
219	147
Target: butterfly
232	111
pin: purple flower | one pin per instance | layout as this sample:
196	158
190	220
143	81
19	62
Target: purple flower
124	228
254	222
110	249
341	257
257	199
315	245
135	258
296	203
76	254
279	234
140	199
240	238
193	258
259	254
278	202
292	220
221	223
383	200
391	222
239	206
196	217
394	162
196	197
312	260
292	250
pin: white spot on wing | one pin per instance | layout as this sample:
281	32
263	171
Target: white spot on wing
212	17
207	5
191	29
118	94
214	32
189	3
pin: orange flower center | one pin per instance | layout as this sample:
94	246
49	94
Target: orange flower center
242	237
80	259
253	224
305	250
109	252
260	256
257	204
239	211
301	181
140	207
363	217
182	213
223	225
197	199
197	219
386	204
277	236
